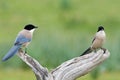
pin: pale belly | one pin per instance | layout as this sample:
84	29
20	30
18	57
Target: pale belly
97	43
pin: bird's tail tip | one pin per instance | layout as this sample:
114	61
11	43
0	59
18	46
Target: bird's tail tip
86	51
4	59
11	52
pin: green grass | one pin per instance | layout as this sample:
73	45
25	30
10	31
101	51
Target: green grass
15	74
103	76
20	74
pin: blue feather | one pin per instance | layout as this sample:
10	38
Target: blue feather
11	52
20	40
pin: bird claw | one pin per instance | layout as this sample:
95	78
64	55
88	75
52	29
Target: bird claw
25	50
104	50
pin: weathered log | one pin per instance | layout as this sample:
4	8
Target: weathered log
69	70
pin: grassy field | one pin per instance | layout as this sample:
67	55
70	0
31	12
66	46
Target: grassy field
27	74
66	29
103	76
16	75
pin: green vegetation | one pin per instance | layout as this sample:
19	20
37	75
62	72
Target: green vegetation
15	74
66	29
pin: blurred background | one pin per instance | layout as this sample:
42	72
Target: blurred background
66	29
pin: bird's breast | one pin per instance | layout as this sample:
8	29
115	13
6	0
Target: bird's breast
97	43
99	40
26	33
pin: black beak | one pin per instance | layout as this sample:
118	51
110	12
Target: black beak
36	27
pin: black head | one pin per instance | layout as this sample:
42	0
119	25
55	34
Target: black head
29	27
100	28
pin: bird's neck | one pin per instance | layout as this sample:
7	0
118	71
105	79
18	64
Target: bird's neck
31	31
101	34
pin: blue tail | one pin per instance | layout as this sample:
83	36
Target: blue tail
11	52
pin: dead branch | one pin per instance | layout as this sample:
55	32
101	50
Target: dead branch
69	70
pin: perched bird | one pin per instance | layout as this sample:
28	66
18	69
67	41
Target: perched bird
97	42
22	40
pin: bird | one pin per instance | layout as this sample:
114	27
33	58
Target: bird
22	40
97	41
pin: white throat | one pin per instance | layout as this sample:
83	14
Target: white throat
101	34
31	31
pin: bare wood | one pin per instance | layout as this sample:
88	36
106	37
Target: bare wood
69	70
41	73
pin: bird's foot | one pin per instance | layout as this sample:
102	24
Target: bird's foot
25	50
104	50
95	51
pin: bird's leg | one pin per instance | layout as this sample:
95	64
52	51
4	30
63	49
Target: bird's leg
95	50
103	49
25	50
20	50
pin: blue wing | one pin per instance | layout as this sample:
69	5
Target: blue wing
21	39
18	43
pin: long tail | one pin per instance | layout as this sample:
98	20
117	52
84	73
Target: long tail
11	52
89	50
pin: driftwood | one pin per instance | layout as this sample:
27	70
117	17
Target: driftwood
69	70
